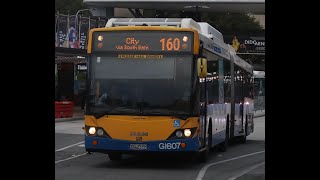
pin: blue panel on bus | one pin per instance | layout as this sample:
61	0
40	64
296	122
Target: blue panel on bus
106	144
176	123
219	137
217	49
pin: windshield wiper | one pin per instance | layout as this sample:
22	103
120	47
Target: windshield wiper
155	111
177	114
103	113
180	115
140	106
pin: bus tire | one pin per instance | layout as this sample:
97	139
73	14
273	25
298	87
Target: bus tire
203	155
243	138
115	156
224	145
210	134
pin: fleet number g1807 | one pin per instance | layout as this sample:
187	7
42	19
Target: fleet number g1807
169	145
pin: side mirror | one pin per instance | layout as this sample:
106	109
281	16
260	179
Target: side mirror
202	67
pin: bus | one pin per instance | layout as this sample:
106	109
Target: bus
164	85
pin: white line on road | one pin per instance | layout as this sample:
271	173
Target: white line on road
246	171
204	169
69	146
70	158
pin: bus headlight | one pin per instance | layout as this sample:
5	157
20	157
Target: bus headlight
92	130
179	134
187	132
100	132
96	132
182	133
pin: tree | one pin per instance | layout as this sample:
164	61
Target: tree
228	23
69	6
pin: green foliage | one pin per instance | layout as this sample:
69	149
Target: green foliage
233	23
81	76
69	6
226	23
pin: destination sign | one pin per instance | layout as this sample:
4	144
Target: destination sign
139	56
133	41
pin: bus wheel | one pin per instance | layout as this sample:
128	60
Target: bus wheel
224	145
243	138
210	134
115	156
203	155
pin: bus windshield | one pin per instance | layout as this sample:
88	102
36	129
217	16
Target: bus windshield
140	84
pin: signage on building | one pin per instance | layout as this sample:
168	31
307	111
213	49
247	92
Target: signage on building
84	28
82	67
245	44
62	26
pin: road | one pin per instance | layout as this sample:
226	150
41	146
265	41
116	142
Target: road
72	162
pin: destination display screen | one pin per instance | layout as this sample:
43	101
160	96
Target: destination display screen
135	41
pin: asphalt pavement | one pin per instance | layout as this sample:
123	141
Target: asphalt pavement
241	161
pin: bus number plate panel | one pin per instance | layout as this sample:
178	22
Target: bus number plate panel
138	146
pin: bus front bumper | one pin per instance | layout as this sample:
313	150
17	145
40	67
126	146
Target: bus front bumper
105	145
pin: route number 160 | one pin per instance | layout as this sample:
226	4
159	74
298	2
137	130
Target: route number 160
170	44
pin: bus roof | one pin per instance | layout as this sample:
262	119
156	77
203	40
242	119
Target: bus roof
212	39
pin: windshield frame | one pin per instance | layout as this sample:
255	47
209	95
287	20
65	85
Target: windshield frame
146	110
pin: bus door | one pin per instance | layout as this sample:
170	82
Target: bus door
241	116
203	109
241	100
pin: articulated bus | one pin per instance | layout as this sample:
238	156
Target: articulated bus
164	85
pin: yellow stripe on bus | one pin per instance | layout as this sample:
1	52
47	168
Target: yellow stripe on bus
152	128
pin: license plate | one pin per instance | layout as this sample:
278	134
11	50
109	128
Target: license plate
138	146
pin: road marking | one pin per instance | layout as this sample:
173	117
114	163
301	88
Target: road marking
70	146
81	145
70	158
204	169
246	171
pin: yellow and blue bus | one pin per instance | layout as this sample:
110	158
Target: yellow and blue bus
164	85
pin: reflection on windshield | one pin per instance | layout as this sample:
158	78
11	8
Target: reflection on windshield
167	94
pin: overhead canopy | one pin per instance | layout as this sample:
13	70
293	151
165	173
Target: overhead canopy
61	51
231	6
